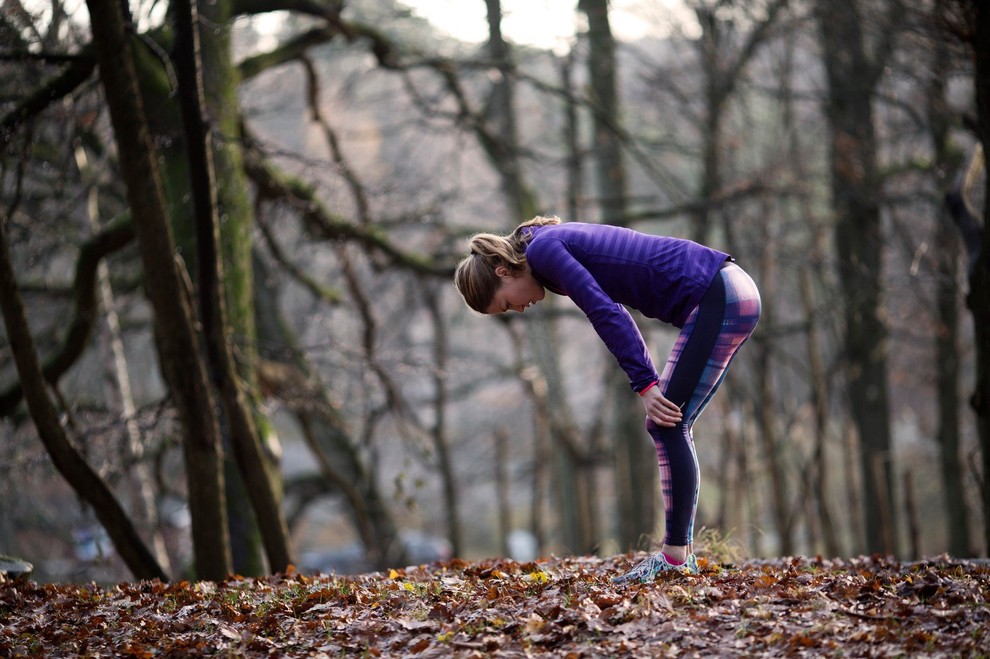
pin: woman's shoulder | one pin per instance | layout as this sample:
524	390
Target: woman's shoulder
554	242
566	230
580	233
546	241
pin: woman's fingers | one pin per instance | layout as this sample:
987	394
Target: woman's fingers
663	424
666	419
660	409
669	409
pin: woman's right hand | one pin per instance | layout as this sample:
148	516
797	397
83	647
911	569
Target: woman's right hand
663	412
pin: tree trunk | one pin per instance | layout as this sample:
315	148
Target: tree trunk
750	502
570	459
911	510
571	462
819	400
716	97
817	373
181	364
636	470
852	488
947	273
243	432
766	405
635	457
604	100
502	114
730	489
724	54
441	445
979	281
120	398
571	139
503	500
220	84
859	245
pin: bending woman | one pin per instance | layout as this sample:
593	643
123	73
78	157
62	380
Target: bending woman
605	269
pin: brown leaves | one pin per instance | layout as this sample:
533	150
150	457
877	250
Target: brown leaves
561	607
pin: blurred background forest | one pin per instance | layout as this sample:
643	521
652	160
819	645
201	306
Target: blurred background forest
231	342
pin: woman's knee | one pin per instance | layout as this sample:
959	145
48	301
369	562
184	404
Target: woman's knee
662	433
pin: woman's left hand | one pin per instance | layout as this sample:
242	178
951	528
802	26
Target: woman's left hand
663	412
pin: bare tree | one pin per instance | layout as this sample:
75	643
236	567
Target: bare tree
635	457
120	394
979	278
852	75
948	273
246	443
724	54
178	346
67	458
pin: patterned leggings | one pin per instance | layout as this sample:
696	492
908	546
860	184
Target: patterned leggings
715	330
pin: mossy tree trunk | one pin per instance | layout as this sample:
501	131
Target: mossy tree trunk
222	289
179	349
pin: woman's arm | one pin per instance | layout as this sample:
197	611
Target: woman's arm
550	259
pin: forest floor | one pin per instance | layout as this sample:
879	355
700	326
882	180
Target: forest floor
561	607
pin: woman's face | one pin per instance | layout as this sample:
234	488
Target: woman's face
516	293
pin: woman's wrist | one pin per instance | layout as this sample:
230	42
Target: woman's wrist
648	387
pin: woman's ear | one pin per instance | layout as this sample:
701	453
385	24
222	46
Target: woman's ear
502	271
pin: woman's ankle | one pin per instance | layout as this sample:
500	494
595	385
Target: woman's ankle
675	554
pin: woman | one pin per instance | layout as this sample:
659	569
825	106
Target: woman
604	269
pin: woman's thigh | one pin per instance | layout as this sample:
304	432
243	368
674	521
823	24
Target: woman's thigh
716	329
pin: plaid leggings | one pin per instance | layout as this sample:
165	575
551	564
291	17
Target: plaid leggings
715	330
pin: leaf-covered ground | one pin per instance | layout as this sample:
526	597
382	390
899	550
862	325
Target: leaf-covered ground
562	607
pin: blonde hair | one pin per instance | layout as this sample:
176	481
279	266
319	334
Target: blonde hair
475	276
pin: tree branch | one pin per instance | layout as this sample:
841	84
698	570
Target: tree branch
77	72
275	185
720	200
46	57
328	10
110	240
289	51
316	289
321	8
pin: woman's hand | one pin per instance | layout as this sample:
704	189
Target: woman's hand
663	412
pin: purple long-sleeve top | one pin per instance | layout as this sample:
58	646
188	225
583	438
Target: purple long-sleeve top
602	267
